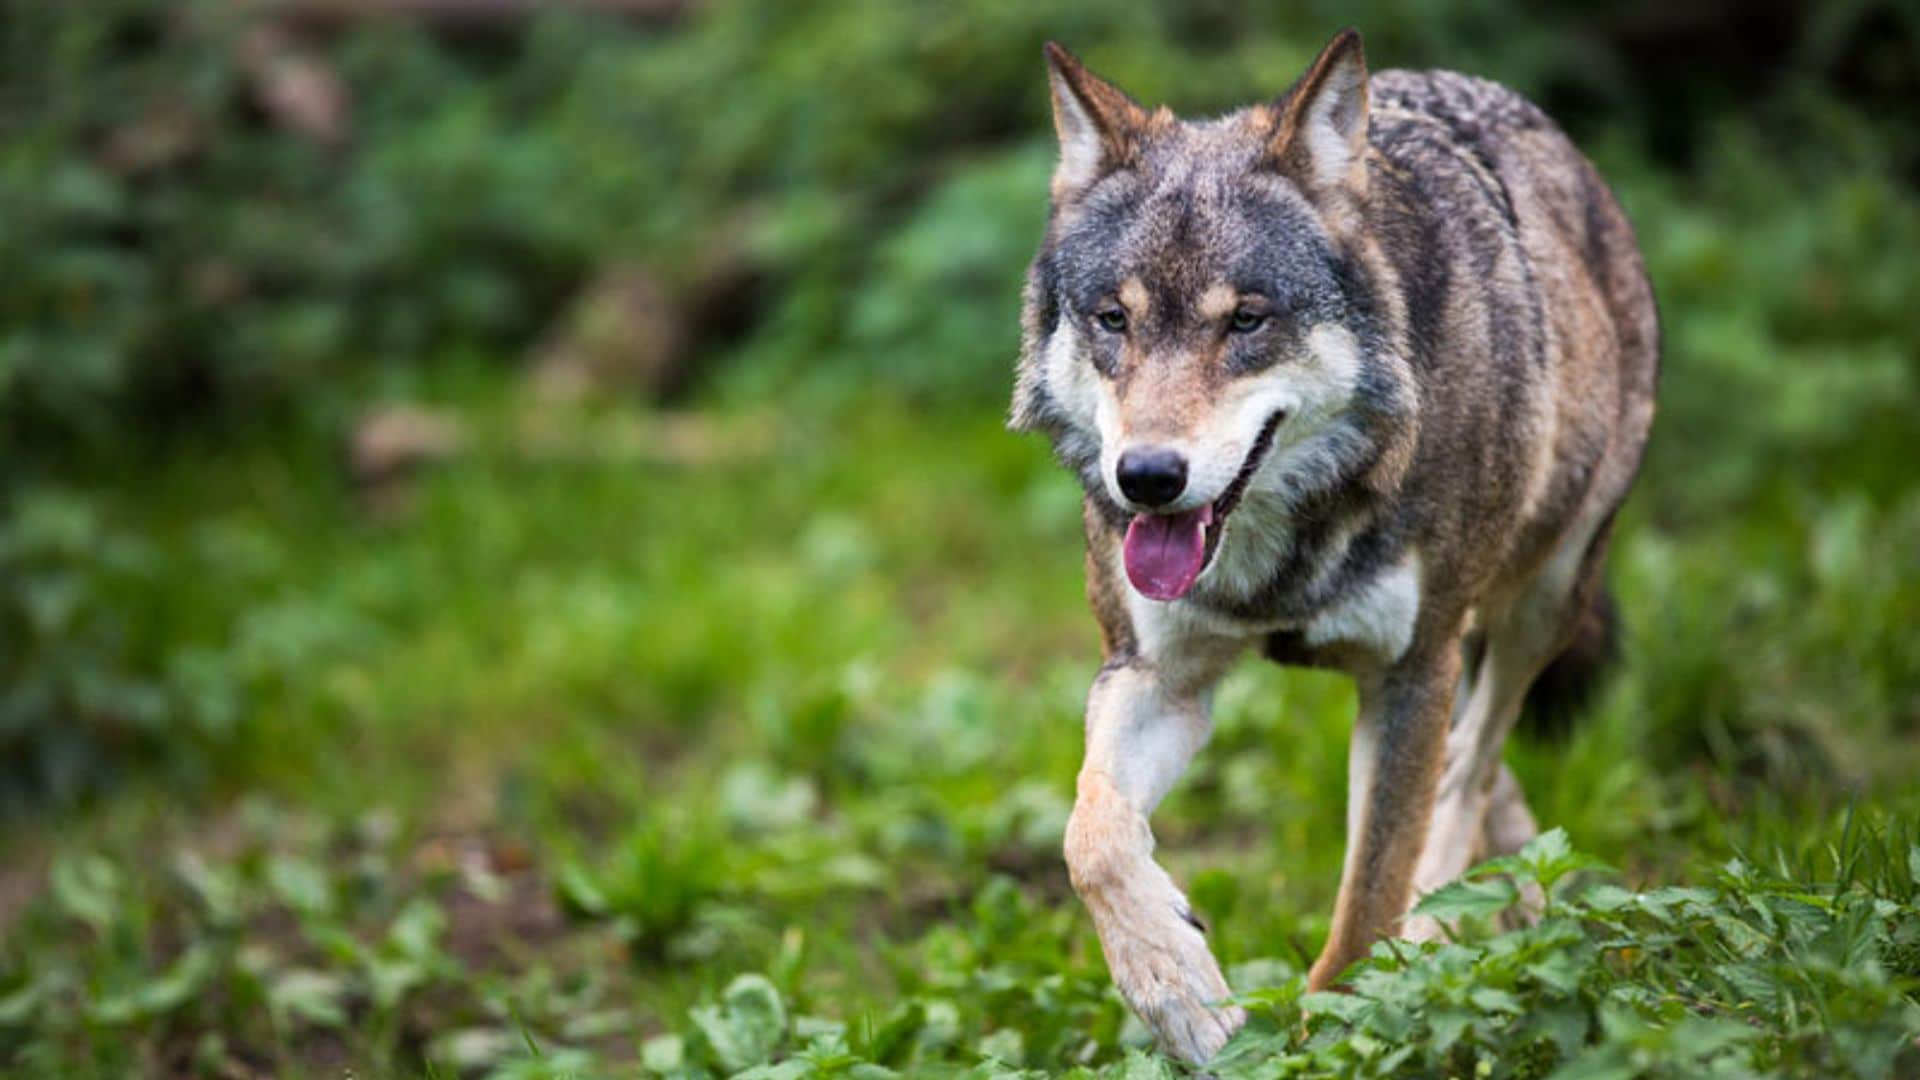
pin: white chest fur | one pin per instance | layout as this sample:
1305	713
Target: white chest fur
1378	616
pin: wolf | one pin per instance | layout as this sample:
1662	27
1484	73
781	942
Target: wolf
1353	379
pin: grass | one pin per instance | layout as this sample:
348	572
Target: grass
690	742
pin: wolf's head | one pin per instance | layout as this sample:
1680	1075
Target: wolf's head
1196	328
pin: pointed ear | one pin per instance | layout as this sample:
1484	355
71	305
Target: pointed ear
1098	124
1320	134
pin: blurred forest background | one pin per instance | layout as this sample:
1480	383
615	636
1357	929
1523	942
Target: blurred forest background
509	561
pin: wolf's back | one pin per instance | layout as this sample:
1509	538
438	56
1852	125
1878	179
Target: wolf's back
1539	181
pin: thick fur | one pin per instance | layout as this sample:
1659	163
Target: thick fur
1441	402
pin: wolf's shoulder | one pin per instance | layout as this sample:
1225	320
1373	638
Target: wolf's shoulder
1462	142
1474	109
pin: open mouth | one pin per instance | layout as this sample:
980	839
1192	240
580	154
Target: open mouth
1166	553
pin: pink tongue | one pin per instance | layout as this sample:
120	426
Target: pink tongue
1166	552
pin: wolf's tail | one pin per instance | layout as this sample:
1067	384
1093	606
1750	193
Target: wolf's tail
1572	681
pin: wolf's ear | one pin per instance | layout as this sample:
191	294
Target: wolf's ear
1098	124
1320	132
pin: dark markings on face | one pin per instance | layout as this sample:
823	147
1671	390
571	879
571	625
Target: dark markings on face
1048	294
1182	225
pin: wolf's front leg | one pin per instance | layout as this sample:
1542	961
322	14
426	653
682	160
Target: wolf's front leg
1393	767
1141	732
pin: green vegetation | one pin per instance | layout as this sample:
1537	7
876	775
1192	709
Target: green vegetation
733	726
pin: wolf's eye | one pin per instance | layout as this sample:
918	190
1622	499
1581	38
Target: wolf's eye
1246	321
1112	320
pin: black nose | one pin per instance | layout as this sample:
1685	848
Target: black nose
1152	475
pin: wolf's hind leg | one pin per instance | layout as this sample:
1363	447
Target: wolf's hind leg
1509	823
1140	736
1475	782
1480	810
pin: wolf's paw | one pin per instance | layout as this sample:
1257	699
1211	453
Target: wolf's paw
1193	1031
1175	986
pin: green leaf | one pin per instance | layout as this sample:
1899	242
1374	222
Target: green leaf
415	933
580	893
217	887
1549	857
1491	999
87	887
1559	971
664	1053
179	984
1344	1007
1005	1046
472	1048
1469	898
1565	1026
1598	1063
754	799
1607	897
891	1041
392	980
785	1070
1702	1035
1677	896
18	1007
311	996
1547	847
746	1028
300	885
1140	1065
1445	1026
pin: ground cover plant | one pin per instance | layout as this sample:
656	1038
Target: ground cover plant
721	716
